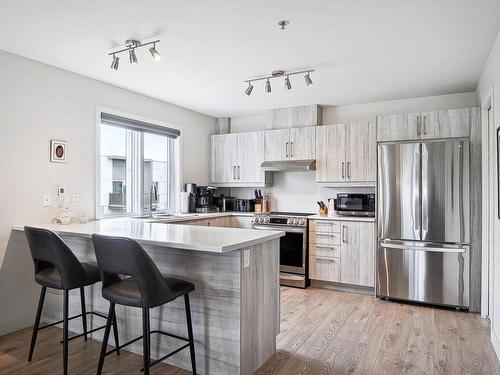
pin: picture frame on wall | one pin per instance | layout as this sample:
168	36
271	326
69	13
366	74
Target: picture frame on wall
58	151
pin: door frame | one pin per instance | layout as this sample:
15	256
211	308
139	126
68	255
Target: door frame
488	163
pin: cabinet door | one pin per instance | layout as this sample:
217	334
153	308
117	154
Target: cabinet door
451	123
330	153
223	158
277	144
398	127
361	152
303	143
241	222
357	253
251	149
325	268
429	126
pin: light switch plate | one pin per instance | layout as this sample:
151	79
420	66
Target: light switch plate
246	258
46	200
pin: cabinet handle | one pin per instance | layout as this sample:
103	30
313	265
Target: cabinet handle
291	148
239	172
286	150
419	130
343	170
344	229
423	121
234	172
326	259
348	169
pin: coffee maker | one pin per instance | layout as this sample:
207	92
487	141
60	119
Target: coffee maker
191	189
205	199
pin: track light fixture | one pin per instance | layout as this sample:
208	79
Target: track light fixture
131	47
276	74
249	89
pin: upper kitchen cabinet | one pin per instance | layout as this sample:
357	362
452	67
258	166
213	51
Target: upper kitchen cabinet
346	153
294	117
235	160
291	144
424	125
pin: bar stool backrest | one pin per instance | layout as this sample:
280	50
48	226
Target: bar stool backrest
49	250
124	256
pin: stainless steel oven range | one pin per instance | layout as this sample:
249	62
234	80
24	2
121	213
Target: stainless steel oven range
293	246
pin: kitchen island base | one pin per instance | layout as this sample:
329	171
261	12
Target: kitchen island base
235	306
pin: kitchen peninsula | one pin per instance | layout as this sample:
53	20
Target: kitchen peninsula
235	307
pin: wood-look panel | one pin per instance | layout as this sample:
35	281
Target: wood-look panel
328	239
260	306
397	127
328	251
358	253
450	123
324	268
215	305
475	209
277	144
303	143
292	117
361	151
324	226
251	152
330	153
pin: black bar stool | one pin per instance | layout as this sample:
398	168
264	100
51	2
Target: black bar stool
142	286
57	267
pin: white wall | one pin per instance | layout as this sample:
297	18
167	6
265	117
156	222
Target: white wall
489	77
298	191
39	102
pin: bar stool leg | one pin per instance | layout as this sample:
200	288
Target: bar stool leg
105	338
84	312
115	331
37	322
145	339
190	332
65	331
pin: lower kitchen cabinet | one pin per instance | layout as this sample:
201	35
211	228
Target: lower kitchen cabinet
342	252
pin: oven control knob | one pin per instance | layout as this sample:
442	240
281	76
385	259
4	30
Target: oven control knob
261	219
289	222
302	221
266	220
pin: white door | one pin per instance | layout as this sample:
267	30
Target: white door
277	144
303	143
330	153
361	152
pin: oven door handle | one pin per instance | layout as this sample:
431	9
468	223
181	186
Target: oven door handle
283	228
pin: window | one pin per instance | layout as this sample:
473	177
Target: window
138	167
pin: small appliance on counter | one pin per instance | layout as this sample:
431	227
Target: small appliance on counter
205	199
191	190
224	203
355	204
244	205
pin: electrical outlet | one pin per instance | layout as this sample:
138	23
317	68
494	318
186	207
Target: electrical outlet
246	258
75	199
46	200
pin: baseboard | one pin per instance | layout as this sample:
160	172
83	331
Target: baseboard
495	342
16	324
343	287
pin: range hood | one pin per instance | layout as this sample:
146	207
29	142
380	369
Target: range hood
289	165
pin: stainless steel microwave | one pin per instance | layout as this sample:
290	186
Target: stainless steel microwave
355	204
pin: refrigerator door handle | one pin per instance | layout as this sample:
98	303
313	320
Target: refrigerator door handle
450	249
424	192
417	200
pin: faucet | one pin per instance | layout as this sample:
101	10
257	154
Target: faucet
153	197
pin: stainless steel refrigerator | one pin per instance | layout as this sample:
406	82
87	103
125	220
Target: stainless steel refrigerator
423	222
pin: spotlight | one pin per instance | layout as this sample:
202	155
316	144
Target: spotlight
115	63
132	56
288	85
249	89
156	55
268	86
308	79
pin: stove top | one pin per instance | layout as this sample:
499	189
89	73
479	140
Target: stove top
282	218
280	213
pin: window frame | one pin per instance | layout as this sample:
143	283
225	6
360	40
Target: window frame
177	159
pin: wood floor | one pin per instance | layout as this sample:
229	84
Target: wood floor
322	332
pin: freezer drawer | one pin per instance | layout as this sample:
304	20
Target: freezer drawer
424	272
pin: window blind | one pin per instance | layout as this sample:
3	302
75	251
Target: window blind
114	120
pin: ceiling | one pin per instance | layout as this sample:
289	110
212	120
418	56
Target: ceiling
362	50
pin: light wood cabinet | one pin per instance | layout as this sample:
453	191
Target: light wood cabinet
358	253
342	251
424	125
291	144
235	160
346	152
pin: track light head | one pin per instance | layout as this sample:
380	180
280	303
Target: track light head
308	79
249	89
154	53
132	56
268	86
288	85
115	63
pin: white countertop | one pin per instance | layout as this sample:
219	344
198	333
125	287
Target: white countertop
342	218
189	237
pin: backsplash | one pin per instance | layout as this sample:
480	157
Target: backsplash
298	191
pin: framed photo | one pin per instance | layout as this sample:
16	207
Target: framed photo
58	151
498	169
